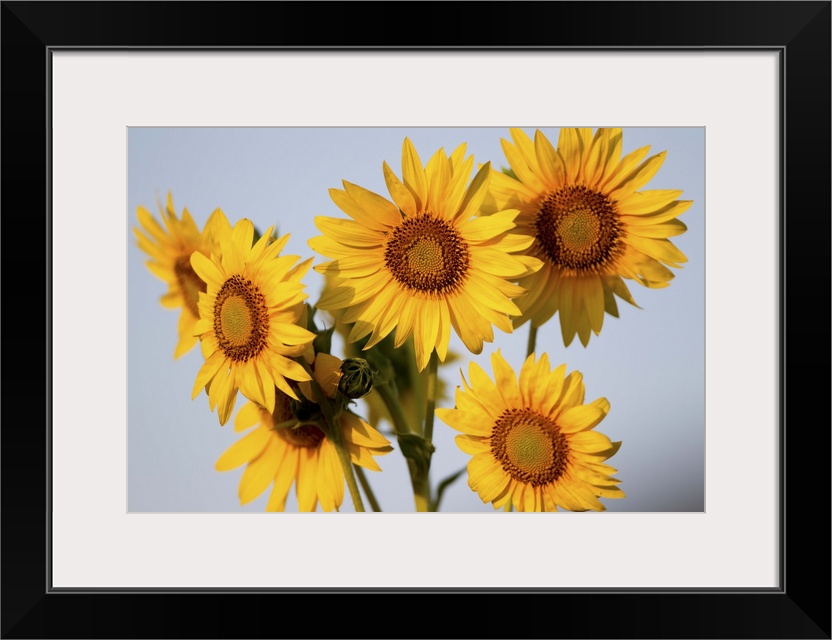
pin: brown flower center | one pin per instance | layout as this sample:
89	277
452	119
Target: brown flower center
189	283
306	435
530	447
282	408
241	319
578	228
427	254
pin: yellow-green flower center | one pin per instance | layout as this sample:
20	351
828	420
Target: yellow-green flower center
530	446
189	283
241	319
427	254
579	229
235	319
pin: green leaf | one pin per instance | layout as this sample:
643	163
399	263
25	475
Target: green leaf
323	341
447	482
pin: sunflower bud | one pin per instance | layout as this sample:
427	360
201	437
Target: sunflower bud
357	379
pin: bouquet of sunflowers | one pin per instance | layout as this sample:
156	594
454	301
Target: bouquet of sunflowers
454	247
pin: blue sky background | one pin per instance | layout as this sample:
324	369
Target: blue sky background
649	363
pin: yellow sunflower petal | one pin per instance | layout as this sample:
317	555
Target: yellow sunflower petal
245	450
349	232
401	195
458	185
583	417
505	379
374	205
550	161
306	485
362	434
413	174
520	166
475	193
286	473
353	209
259	473
643	202
330	478
669	212
623	168
438	173
247	417
664	230
207	270
590	441
208	371
471	446
627	184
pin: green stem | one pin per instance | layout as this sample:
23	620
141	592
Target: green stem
532	339
335	436
393	408
415	380
346	464
430	392
362	480
420	488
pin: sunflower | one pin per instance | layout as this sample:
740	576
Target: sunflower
424	262
533	442
248	319
170	248
592	226
283	450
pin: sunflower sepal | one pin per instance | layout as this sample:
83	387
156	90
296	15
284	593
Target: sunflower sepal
323	340
415	448
289	424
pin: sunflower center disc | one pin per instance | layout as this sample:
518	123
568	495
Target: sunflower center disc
235	317
241	319
190	283
282	408
427	254
578	228
530	446
306	435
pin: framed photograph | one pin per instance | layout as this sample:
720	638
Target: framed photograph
111	107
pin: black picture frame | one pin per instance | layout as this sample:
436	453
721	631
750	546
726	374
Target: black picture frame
799	608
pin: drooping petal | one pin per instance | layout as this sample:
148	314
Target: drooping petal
244	450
